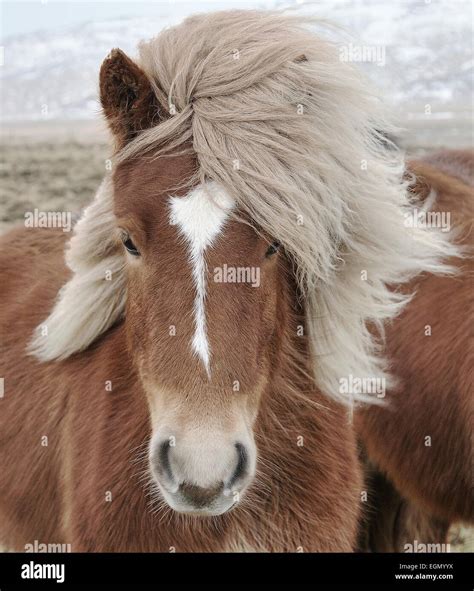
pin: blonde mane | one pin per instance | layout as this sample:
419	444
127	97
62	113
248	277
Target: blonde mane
298	139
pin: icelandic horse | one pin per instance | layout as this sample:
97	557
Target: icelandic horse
419	446
156	398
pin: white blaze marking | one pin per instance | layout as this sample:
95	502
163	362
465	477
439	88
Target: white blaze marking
200	216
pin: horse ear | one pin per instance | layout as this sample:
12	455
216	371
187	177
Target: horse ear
127	97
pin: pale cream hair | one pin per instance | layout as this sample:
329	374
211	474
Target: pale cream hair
298	138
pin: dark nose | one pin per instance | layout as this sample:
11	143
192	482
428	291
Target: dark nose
200	497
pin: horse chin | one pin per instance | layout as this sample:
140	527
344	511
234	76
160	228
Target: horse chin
200	513
217	507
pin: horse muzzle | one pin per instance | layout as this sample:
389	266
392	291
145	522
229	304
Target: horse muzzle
201	479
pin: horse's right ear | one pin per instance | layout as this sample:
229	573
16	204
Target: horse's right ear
127	97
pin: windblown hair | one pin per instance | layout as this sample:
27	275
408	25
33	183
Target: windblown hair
298	139
94	298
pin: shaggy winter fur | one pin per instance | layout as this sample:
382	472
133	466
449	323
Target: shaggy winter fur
296	137
434	372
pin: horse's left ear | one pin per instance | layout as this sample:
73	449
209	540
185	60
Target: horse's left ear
127	97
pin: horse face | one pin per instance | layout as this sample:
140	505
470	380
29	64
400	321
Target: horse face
201	322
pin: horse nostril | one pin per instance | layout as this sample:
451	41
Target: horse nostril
241	467
164	459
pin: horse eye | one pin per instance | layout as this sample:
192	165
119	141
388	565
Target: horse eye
130	247
273	248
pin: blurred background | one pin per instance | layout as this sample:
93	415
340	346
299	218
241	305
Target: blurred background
54	146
